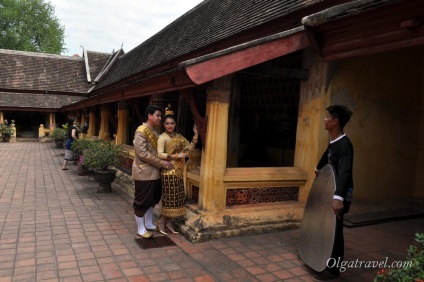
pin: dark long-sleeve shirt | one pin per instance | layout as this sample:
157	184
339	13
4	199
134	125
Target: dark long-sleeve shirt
340	154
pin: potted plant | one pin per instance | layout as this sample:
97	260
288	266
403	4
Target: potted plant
59	136
79	146
411	269
102	156
6	131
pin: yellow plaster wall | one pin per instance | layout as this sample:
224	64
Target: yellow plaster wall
311	138
385	93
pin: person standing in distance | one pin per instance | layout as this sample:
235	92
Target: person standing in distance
339	154
145	171
72	134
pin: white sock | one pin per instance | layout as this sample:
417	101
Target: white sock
140	225
148	216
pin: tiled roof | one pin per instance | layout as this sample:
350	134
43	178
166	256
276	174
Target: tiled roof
96	62
39	72
207	23
345	10
39	101
29	80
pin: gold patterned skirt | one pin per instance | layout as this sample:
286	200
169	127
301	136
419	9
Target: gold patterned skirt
173	195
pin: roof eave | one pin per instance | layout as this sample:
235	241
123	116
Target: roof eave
365	27
218	64
29	109
164	82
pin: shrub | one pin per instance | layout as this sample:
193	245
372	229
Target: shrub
6	129
80	145
101	155
414	271
58	133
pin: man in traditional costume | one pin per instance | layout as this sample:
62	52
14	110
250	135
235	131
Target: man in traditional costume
145	171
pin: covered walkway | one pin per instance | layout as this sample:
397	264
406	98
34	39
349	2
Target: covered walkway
55	227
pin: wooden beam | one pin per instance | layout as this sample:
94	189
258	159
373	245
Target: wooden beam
382	29
242	57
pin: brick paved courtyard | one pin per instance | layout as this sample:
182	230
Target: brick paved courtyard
55	227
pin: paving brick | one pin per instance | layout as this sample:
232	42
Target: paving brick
141	278
112	273
267	277
46	267
67	265
44	275
256	270
205	278
93	277
246	263
132	272
7	272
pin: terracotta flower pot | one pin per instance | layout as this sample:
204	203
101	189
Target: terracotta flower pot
6	138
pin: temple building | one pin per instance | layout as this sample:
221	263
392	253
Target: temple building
255	76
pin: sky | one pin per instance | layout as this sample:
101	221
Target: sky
107	25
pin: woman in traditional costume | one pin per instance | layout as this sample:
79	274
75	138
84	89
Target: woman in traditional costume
174	148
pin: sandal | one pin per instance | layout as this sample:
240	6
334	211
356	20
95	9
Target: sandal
171	228
161	227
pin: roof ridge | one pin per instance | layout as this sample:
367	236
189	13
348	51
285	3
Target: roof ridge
100	52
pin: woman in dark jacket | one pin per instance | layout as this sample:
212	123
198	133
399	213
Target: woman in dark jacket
73	133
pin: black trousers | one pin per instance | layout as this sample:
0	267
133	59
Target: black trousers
338	247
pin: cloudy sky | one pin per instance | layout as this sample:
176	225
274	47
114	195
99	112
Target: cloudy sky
105	25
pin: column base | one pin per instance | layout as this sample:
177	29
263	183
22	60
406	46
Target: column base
200	225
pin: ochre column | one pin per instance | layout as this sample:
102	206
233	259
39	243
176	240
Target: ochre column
122	132
104	122
91	123
52	120
1	116
311	137
212	194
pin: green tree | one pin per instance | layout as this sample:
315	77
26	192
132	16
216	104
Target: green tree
30	25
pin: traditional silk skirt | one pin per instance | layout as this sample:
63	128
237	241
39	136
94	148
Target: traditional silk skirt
173	196
147	194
